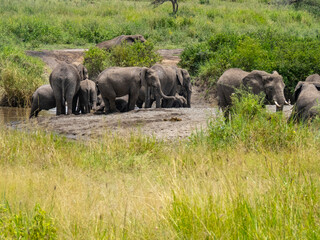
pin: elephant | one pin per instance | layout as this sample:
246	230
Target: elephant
119	40
119	81
121	105
307	101
173	80
256	81
65	82
313	78
87	96
42	98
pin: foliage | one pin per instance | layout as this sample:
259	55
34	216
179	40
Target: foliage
37	225
294	58
124	55
20	76
95	60
137	54
254	127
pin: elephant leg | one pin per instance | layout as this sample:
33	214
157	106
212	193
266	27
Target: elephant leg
59	103
113	107
139	103
76	104
71	103
133	98
106	105
158	102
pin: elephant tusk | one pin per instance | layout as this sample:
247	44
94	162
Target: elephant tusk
277	104
287	103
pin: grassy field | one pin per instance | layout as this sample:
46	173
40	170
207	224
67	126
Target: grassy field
255	177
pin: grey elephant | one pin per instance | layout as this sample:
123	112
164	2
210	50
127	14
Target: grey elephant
256	81
65	82
173	80
121	105
87	96
42	99
307	101
313	78
120	81
119	40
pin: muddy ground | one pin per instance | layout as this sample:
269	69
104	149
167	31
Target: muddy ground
161	123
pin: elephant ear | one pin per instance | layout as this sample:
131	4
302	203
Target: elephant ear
179	75
186	78
297	90
129	39
255	81
83	72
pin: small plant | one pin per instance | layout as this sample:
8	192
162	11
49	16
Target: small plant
252	126
24	226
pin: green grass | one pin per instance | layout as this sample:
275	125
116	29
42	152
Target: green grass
254	185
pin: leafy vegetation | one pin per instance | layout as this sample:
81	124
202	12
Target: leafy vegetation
125	55
37	225
293	57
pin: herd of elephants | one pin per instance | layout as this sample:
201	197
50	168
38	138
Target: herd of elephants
168	86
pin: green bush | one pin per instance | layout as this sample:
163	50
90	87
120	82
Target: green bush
125	55
95	60
253	126
293	57
20	76
37	225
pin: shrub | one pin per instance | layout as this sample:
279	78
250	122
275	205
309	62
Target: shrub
253	126
125	55
95	60
294	58
37	225
20	76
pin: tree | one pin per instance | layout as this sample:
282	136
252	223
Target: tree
156	3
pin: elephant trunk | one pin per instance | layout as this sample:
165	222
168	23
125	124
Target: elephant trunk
188	98
164	96
279	100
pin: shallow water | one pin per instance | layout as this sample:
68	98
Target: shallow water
11	115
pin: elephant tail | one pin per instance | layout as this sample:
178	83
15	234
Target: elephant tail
63	81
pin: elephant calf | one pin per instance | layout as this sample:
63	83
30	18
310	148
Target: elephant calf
42	98
307	97
87	96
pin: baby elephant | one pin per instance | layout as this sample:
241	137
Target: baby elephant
42	98
87	96
121	105
179	102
